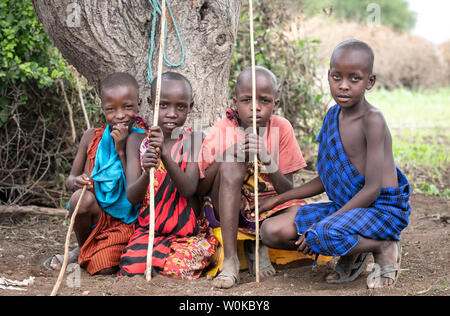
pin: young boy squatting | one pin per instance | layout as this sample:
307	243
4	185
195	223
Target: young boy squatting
370	195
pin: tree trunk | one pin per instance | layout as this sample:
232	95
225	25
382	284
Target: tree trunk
99	37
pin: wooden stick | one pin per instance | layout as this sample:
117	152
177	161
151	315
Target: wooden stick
66	247
32	209
80	94
151	230
255	158
69	108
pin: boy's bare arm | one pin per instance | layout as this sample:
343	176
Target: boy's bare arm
282	182
311	188
78	177
186	181
374	128
137	181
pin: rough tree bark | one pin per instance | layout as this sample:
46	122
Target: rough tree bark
99	37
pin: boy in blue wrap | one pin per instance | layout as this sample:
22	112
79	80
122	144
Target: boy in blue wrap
104	222
369	195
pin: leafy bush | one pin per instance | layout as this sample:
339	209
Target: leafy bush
37	147
26	52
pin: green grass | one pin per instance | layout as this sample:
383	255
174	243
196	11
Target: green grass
420	126
407	109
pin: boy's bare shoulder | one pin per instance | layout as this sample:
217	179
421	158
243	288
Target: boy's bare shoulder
135	139
374	119
87	137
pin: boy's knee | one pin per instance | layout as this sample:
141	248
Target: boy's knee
87	204
271	235
232	172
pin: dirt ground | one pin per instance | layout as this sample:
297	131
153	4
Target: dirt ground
27	240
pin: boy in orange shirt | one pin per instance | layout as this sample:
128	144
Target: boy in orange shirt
226	171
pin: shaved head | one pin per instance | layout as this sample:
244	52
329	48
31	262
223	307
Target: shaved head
118	79
355	45
169	75
247	73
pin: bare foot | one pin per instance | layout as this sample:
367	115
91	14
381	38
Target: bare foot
387	266
265	266
229	275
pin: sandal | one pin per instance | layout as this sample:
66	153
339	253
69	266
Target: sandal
389	271
355	269
55	262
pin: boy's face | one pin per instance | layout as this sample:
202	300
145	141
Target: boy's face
349	77
266	100
174	106
120	105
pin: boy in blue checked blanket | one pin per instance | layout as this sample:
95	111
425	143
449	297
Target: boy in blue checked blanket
369	195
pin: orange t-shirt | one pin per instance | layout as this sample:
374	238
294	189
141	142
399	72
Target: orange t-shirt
279	139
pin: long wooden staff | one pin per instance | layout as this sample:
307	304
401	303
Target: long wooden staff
255	158
66	247
151	236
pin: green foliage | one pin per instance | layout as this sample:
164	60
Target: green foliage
37	148
27	57
393	12
25	50
418	121
427	188
293	62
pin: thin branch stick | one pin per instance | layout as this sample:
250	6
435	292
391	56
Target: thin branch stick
151	230
66	247
80	93
69	108
255	159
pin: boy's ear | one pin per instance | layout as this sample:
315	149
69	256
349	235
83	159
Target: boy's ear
191	105
276	104
371	82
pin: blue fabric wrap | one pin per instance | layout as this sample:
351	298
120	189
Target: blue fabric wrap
335	235
110	182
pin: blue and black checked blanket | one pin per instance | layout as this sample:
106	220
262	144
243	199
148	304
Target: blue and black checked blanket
335	235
